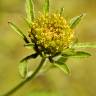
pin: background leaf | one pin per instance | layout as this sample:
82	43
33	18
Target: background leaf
16	29
75	21
29	10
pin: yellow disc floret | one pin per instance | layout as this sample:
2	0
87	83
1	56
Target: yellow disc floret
51	33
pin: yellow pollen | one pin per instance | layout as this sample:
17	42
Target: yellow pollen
52	32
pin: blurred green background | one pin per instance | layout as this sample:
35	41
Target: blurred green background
81	82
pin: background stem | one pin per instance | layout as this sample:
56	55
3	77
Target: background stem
25	80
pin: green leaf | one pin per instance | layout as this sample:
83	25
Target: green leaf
46	6
23	66
79	54
61	11
16	29
23	69
29	10
75	21
63	67
84	45
60	63
61	60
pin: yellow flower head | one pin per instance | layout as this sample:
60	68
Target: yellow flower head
51	32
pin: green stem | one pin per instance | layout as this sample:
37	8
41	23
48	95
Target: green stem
26	80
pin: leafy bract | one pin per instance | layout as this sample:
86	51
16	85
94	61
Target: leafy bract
61	11
75	21
63	67
84	45
23	69
61	64
23	66
16	29
30	57
29	10
29	45
79	54
61	60
46	6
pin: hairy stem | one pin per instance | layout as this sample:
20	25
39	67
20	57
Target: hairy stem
17	87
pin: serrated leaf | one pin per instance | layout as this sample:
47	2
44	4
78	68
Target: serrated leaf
23	69
75	21
79	54
16	29
46	6
29	10
61	11
84	45
63	67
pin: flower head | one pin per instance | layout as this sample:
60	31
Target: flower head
51	32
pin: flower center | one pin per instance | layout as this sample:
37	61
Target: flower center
51	32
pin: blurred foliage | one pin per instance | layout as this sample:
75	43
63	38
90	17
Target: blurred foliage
43	94
81	82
